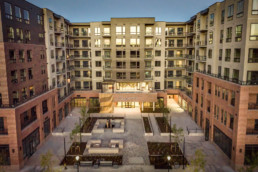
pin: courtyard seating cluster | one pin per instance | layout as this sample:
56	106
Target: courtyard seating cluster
115	125
114	146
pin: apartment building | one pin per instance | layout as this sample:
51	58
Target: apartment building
207	64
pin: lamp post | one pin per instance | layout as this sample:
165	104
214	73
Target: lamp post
77	160
168	158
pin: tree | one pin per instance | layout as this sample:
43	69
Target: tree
84	114
252	163
46	162
74	135
198	163
178	133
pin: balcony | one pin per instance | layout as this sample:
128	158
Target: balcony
60	71
175	67
60	58
70	68
59	44
58	30
251	132
252	82
148	57
237	59
191	45
106	34
106	46
252	106
4	131
106	57
202	44
80	56
148	67
61	84
189	68
107	68
252	60
179	34
83	67
175	77
201	58
175	56
190	57
149	34
148	78
81	34
148	46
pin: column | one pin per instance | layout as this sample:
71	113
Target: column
153	106
142	106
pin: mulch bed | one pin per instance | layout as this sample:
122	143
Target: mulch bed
157	110
158	152
70	160
147	126
90	122
163	125
93	110
74	149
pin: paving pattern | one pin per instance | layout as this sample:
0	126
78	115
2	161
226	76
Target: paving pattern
135	152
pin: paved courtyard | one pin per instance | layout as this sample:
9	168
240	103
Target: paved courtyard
135	152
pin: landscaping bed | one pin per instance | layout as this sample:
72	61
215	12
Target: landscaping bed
157	110
158	152
163	125
147	126
77	148
94	110
70	160
90	122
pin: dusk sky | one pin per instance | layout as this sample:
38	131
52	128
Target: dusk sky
103	10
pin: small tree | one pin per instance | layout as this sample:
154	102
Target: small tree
84	114
2	162
198	163
46	162
178	134
74	135
253	163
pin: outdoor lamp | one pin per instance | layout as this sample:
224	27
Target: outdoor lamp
169	157
77	158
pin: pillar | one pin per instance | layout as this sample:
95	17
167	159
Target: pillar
153	106
142	106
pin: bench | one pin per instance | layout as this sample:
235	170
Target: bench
106	163
86	163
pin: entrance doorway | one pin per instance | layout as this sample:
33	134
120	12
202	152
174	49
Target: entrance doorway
128	104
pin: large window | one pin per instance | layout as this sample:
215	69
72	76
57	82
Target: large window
223	141
134	30
229	34
250	151
135	42
120	42
106	31
158	31
120	30
238	33
230	12
5	155
255	7
46	127
97	31
148	31
30	143
26	16
211	19
240	8
18	14
254	32
8	10
222	16
253	55
44	106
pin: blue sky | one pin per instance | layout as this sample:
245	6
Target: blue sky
103	10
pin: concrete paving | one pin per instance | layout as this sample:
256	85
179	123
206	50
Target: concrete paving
135	152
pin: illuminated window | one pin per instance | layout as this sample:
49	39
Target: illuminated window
120	42
134	42
18	14
8	10
255	7
97	31
254	32
106	31
120	30
148	43
134	30
158	42
158	31
97	43
148	30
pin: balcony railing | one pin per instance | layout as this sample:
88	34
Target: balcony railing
175	66
251	131
236	81
252	106
201	58
252	60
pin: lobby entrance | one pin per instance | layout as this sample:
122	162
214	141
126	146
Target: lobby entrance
128	104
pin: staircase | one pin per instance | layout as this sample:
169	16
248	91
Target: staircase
106	102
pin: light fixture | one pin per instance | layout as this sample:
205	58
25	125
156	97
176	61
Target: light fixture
77	158
169	157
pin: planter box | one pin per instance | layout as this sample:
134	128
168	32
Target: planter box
151	128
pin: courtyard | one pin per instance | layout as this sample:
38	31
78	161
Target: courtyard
132	143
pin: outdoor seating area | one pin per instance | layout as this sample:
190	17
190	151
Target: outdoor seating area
114	146
115	125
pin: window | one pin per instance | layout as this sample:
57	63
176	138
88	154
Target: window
254	32
157	73
98	74
120	54
221	36
134	75
157	53
134	30
255	7
158	42
97	31
148	31
19	34
135	42
229	34
30	143
238	33
120	75
228	55
8	10
44	106
134	54
106	31
179	43
40	19
97	43
98	63
222	16
27	35
97	53
230	12
211	19
134	65
148	43
120	30
26	16
211	37
240	8
220	54
120	42
18	13
180	31
10	34
158	31
253	55
157	63
157	85
210	53
209	69
237	55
